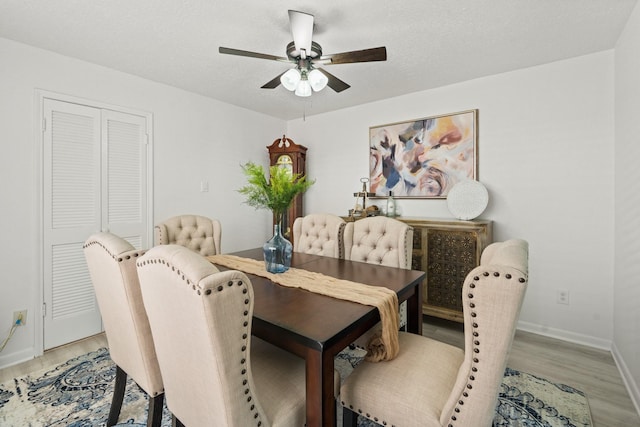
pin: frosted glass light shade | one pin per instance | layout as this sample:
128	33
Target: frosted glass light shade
317	80
290	79
304	88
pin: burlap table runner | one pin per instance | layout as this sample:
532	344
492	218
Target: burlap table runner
382	346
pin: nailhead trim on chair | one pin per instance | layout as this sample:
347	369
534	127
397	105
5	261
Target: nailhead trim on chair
160	235
406	247
245	324
476	350
116	257
341	228
476	342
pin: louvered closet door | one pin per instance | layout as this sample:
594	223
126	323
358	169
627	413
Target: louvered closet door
94	178
71	165
124	197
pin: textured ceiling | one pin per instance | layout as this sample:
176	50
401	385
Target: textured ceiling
430	43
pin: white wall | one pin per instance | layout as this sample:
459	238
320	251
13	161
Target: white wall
626	347
546	153
546	156
196	138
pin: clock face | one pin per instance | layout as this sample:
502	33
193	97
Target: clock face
285	161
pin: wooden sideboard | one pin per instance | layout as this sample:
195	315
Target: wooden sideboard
447	250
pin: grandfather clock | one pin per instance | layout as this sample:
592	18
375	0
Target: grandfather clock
287	154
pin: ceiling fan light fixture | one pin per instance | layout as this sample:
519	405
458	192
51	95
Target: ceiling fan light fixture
303	89
317	80
290	79
303	79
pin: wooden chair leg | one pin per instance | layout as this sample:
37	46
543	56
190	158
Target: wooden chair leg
349	418
175	422
118	396
154	415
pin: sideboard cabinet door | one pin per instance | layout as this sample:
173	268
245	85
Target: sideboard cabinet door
447	250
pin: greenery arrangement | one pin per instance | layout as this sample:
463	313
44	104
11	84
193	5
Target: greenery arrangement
277	192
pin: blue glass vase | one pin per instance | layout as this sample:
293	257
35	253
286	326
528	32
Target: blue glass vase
277	252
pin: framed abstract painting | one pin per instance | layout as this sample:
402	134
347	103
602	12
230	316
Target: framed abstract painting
423	158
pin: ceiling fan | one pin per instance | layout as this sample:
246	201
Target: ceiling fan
307	55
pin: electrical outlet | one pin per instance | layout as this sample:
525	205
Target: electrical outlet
562	296
22	315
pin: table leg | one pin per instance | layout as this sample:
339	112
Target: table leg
320	404
414	311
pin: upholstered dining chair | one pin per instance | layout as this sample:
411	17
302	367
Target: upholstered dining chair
215	372
198	233
112	266
431	383
320	234
380	240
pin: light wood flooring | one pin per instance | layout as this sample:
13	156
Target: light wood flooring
53	357
591	370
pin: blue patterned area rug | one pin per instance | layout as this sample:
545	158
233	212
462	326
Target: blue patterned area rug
78	393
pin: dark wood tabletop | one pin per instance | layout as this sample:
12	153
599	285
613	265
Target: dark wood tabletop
316	327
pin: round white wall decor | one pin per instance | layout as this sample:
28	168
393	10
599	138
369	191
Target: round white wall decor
467	199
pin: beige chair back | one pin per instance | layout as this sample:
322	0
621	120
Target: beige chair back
492	297
201	320
380	240
112	266
319	234
384	241
198	233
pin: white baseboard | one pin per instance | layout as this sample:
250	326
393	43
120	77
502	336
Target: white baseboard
17	357
565	335
627	378
629	381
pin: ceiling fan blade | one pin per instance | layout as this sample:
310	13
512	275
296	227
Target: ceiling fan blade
301	30
334	82
366	55
229	51
272	84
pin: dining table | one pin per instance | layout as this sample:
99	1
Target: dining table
317	327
